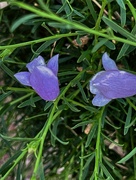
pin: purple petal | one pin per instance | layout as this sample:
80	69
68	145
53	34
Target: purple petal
116	84
108	63
53	64
23	78
39	61
100	100
45	83
93	89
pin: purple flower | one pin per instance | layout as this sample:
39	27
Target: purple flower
111	83
41	77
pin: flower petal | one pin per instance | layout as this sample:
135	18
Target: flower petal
100	100
23	78
39	61
94	89
116	84
53	64
108	63
45	83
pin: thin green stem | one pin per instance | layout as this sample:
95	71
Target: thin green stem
98	157
20	99
5	108
45	130
70	23
132	9
42	134
16	89
16	161
57	36
97	24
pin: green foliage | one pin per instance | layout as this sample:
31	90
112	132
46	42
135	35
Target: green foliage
68	138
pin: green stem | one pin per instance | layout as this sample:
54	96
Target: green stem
20	99
132	9
57	36
16	161
16	89
98	157
45	129
97	25
70	23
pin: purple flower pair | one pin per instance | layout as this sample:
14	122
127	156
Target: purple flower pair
41	77
106	85
111	83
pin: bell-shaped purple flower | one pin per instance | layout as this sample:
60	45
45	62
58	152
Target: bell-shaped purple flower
111	83
41	77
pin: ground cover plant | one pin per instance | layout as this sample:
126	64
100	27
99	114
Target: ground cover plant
63	134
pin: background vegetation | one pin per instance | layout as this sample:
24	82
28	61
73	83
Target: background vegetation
68	138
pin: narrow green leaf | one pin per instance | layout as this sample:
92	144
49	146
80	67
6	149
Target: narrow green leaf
91	9
70	105
9	162
106	172
91	135
61	8
117	144
17	138
89	160
128	156
99	44
117	173
36	116
48	104
123	16
4	95
5	108
54	131
19	171
7	70
110	45
60	25
118	29
40	173
112	125
132	123
68	9
128	119
21	20
43	47
84	55
91	109
121	4
62	142
78	13
81	124
82	91
110	165
132	8
29	102
126	48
